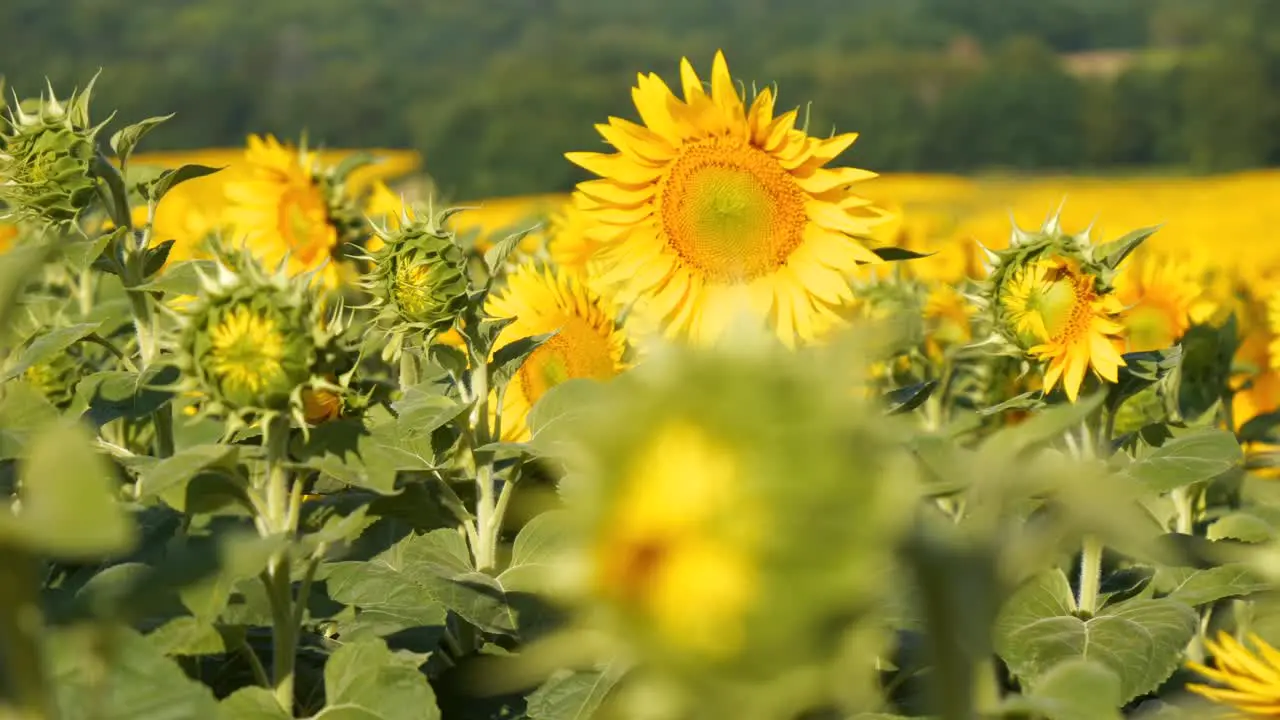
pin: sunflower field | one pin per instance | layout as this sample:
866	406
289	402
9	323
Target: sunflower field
733	431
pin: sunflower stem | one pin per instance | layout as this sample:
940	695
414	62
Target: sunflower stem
281	520
486	503
1090	574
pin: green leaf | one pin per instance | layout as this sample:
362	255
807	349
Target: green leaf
393	590
551	419
181	278
1113	253
497	255
1260	428
156	257
47	345
1243	526
1203	376
571	695
897	254
1043	427
368	454
170	179
1076	690
18	267
508	359
424	409
69	507
1195	587
252	703
126	139
187	636
115	394
23	412
180	469
1140	371
906	399
1191	458
1139	640
347	712
367	675
113	673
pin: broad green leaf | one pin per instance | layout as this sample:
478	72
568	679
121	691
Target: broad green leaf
1043	427
240	556
115	394
367	455
366	674
18	267
1033	400
509	358
179	469
187	636
126	139
1207	352
524	582
550	420
47	345
69	508
1140	640
23	412
1244	526
1190	458
1194	586
251	703
424	409
572	695
113	673
1077	690
347	712
393	591
1140	371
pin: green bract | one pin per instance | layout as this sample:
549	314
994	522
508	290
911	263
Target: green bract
47	155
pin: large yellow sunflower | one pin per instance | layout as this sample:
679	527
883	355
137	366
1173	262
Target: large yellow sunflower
710	209
1163	296
587	344
280	211
1251	679
1058	314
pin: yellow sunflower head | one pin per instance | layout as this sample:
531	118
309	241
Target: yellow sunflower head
1163	296
711	208
1056	313
8	235
587	343
1050	297
568	245
290	208
1247	681
713	528
948	318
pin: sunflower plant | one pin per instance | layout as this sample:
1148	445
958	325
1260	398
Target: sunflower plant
715	441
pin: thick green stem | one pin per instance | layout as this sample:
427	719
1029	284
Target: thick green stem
20	632
277	579
1090	574
408	370
485	550
1182	503
986	688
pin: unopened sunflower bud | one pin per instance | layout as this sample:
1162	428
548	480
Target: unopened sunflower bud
46	165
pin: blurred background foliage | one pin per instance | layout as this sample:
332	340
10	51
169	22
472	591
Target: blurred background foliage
493	92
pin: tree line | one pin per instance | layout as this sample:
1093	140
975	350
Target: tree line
494	92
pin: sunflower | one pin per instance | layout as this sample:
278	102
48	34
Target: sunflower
281	211
568	244
1252	679
948	318
1163	296
587	344
8	234
711	208
1058	314
664	554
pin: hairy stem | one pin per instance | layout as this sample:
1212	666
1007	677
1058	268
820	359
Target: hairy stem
1090	574
277	579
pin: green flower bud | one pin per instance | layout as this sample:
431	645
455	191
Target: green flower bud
419	280
253	344
46	164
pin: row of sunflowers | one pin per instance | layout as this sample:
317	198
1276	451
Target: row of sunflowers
730	430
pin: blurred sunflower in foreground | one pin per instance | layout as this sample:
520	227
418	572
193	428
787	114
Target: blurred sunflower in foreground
587	343
1252	678
711	208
